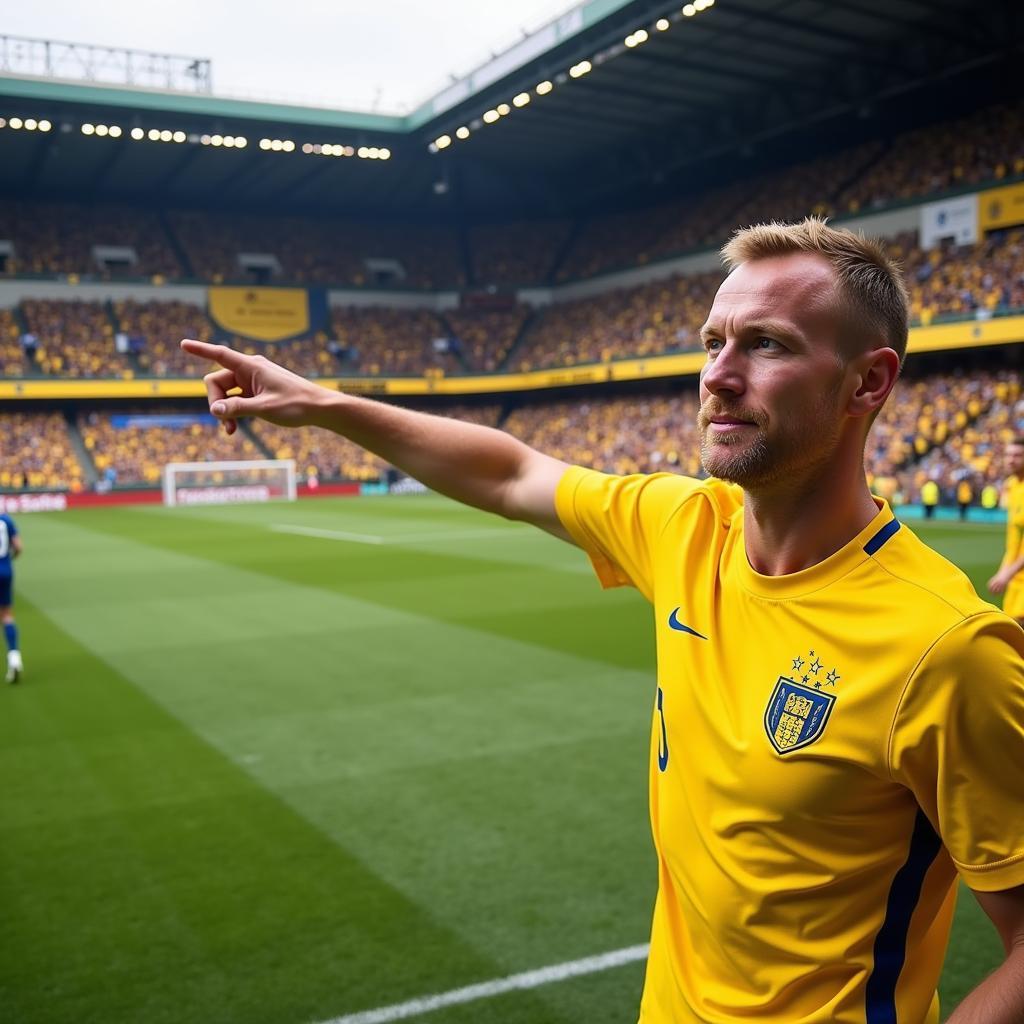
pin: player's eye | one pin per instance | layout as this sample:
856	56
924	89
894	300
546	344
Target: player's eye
768	345
712	345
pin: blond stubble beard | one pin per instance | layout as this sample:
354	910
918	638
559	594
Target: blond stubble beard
797	454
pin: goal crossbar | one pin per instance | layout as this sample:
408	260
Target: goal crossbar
223	491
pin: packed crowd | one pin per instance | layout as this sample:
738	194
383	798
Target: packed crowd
73	339
377	341
661	316
52	238
516	254
37	453
136	454
154	330
985	146
618	435
484	338
319	251
12	351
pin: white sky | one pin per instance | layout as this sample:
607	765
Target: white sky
389	56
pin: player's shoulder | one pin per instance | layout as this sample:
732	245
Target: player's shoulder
662	494
930	582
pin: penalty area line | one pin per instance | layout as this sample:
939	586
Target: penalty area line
409	538
497	987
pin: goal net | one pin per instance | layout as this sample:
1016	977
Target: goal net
218	483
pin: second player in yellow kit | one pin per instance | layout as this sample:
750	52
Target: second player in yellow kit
1013	598
823	762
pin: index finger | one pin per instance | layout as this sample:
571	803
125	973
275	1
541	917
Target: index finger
227	357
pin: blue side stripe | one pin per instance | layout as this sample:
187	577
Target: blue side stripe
882	536
891	941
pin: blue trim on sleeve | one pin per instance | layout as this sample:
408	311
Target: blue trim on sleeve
891	941
882	536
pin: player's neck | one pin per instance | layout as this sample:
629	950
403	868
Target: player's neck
786	530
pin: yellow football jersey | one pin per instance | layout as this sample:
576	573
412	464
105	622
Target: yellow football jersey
1013	597
828	750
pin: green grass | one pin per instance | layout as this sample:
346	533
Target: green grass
260	777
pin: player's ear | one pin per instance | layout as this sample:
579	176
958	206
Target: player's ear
875	373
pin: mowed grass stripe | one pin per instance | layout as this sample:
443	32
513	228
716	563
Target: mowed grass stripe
504	760
531	587
189	892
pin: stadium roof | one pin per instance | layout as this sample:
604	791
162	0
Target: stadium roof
643	96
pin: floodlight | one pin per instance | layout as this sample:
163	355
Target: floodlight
115	131
490	116
543	88
462	132
689	11
385	154
87	129
179	136
30	124
503	109
166	135
288	146
446	140
662	24
521	99
216	140
138	133
101	130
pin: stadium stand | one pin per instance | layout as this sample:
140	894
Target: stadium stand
75	339
136	454
52	238
511	254
662	316
37	453
378	341
154	330
484	338
318	251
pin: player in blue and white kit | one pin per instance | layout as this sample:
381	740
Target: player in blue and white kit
10	548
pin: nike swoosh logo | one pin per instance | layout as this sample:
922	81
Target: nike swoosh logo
674	622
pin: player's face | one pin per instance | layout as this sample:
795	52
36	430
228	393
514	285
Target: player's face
1015	458
771	388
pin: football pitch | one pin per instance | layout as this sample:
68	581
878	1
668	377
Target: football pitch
289	763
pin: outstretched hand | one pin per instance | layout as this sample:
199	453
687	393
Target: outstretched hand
260	388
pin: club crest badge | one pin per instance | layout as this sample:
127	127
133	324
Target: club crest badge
796	715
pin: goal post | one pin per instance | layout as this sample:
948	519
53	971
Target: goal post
220	483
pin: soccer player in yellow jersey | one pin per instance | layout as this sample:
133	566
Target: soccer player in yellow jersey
837	729
1008	581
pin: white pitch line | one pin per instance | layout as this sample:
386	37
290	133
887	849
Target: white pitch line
496	987
312	531
372	538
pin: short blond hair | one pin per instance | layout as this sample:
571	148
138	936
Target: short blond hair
869	282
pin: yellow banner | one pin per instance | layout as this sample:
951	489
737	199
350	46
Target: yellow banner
263	314
961	334
1001	207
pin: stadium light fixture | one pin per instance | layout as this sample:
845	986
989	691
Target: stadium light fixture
446	140
663	24
521	99
462	132
3	122
87	129
179	136
101	130
115	131
580	69
490	116
689	11
166	135
503	109
138	134
264	143
543	88
384	154
288	146
44	125
30	124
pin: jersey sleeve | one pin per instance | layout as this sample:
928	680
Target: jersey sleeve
617	520
958	743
